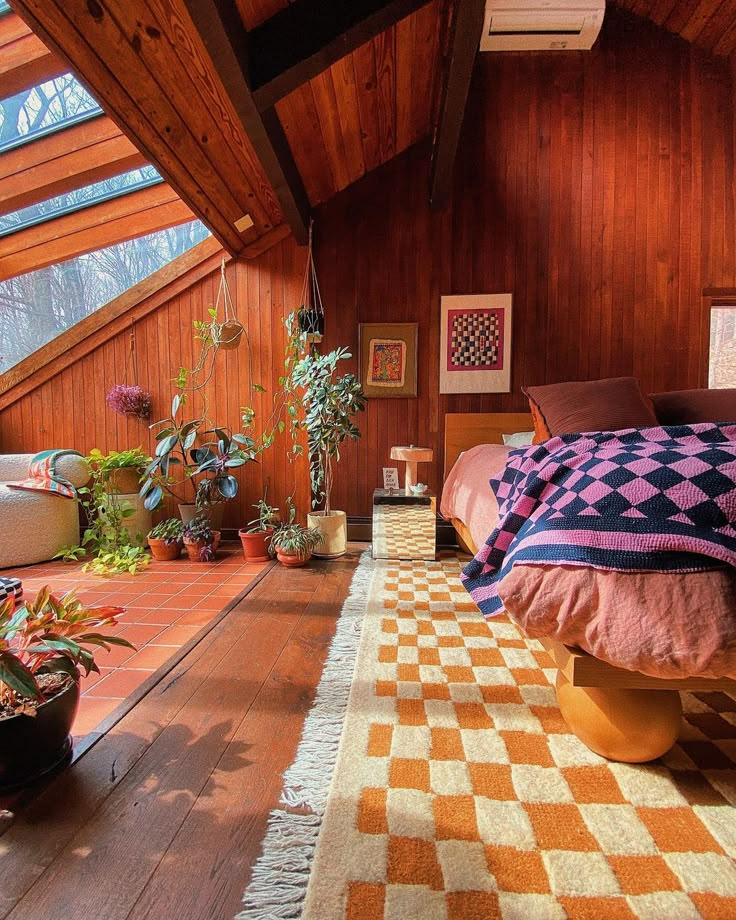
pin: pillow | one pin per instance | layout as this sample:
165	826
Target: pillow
541	431
687	407
591	405
518	439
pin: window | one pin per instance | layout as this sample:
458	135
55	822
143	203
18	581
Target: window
722	359
43	109
4	7
79	199
38	306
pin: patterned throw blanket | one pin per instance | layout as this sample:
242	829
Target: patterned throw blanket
639	500
42	475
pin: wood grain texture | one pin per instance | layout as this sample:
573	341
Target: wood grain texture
367	107
64	161
709	24
24	59
464	430
599	198
191	772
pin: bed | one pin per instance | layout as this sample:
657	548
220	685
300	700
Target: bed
624	715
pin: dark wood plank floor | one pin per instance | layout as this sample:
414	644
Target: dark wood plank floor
164	816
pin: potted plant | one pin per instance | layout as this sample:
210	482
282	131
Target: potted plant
165	540
44	646
209	465
121	471
329	402
132	401
256	538
200	540
293	543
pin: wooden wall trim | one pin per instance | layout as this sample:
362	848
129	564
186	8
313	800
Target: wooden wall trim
107	322
63	161
24	59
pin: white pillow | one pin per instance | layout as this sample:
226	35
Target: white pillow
519	439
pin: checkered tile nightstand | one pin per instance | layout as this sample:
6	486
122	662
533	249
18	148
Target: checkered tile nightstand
404	526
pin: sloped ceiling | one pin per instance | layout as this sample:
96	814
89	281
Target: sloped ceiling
708	24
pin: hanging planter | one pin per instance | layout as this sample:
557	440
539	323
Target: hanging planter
229	333
130	399
310	316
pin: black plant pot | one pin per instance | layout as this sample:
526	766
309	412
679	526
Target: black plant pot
33	745
312	323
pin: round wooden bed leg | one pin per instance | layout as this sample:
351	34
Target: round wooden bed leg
632	726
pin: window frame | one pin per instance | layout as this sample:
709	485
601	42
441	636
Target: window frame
713	299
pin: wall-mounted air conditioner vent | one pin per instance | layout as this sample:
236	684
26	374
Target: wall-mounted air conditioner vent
542	25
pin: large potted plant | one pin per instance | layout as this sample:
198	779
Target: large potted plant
209	464
256	537
329	403
45	645
121	471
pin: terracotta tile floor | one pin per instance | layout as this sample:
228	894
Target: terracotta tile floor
166	605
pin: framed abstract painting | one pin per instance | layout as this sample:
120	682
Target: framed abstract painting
388	359
475	344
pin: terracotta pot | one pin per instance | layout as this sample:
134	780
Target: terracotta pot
213	513
33	745
164	551
256	544
229	334
126	480
292	560
194	548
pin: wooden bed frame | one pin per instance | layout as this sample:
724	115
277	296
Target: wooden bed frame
621	715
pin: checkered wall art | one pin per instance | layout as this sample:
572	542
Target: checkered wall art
475	351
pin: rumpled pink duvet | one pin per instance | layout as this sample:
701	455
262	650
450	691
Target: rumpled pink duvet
664	625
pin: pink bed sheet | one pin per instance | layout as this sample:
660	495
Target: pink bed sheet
663	625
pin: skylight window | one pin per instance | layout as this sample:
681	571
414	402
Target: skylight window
37	307
78	199
45	108
4	7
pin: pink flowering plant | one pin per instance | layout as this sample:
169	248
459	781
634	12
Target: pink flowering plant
130	400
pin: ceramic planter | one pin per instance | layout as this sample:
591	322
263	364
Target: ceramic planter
256	544
127	479
292	560
194	548
213	513
33	745
163	550
334	530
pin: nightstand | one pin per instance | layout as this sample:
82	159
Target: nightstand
404	526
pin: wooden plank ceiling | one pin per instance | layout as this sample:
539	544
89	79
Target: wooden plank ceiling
708	24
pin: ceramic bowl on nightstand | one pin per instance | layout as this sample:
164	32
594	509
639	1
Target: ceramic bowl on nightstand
418	488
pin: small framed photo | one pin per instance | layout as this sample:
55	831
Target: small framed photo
388	359
390	478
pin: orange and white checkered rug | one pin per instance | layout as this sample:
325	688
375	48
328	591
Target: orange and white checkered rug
459	791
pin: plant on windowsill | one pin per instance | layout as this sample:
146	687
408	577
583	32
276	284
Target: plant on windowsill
329	403
293	543
200	540
166	539
256	537
45	646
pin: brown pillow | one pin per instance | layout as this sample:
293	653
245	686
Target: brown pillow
592	405
688	407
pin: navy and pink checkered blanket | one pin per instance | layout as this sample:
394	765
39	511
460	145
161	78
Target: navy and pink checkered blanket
639	500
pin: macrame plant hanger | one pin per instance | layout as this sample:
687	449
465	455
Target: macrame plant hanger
311	314
128	398
228	333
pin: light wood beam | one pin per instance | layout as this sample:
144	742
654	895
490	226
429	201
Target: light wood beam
24	59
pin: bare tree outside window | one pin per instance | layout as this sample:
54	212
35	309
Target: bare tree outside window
38	306
51	103
722	360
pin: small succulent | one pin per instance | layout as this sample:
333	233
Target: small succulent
170	531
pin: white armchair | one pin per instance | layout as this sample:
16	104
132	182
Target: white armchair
34	526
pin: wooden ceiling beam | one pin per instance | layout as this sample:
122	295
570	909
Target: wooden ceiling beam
306	38
116	221
24	59
64	161
225	39
464	41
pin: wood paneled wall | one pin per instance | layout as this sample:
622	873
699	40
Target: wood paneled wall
597	187
69	410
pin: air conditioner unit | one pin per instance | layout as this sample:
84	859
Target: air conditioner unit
542	25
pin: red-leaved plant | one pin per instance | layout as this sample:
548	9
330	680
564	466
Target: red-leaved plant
130	400
45	637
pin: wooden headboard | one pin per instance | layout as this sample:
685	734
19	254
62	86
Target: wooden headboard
464	430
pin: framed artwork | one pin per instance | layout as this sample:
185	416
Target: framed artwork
388	359
475	344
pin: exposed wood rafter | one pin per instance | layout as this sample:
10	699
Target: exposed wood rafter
465	32
225	39
24	60
64	161
306	38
